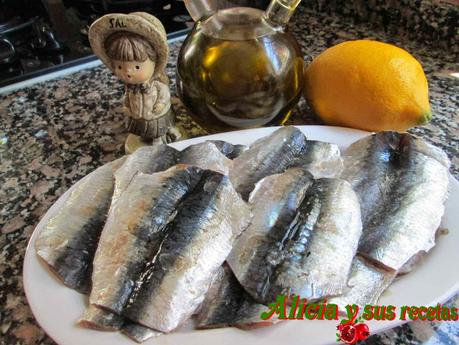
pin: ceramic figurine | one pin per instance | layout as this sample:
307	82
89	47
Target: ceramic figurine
134	46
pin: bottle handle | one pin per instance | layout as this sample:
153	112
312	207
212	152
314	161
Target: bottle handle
200	9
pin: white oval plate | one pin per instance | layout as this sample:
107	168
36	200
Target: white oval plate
57	308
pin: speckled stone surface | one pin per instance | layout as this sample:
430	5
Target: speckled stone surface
434	22
53	134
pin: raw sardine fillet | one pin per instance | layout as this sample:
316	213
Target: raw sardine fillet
206	156
366	284
100	319
321	159
229	150
69	240
104	320
307	252
402	183
286	147
228	304
138	332
147	160
274	202
197	243
133	232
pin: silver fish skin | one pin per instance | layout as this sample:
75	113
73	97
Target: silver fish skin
402	183
134	229
274	203
227	304
138	332
272	154
366	284
412	263
231	151
417	259
197	243
103	320
285	148
206	156
322	243
100	319
321	159
69	240
312	255
152	159
147	160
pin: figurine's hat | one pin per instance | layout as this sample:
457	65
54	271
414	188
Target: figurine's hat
140	23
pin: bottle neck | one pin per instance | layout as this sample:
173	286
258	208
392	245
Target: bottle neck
201	9
280	11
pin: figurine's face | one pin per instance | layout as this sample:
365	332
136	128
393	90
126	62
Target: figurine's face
134	72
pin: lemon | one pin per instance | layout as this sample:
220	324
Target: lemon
368	85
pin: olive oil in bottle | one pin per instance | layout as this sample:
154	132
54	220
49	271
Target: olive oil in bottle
239	69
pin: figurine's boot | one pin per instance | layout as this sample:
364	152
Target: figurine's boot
173	134
160	140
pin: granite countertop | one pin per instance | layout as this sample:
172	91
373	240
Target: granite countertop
55	133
